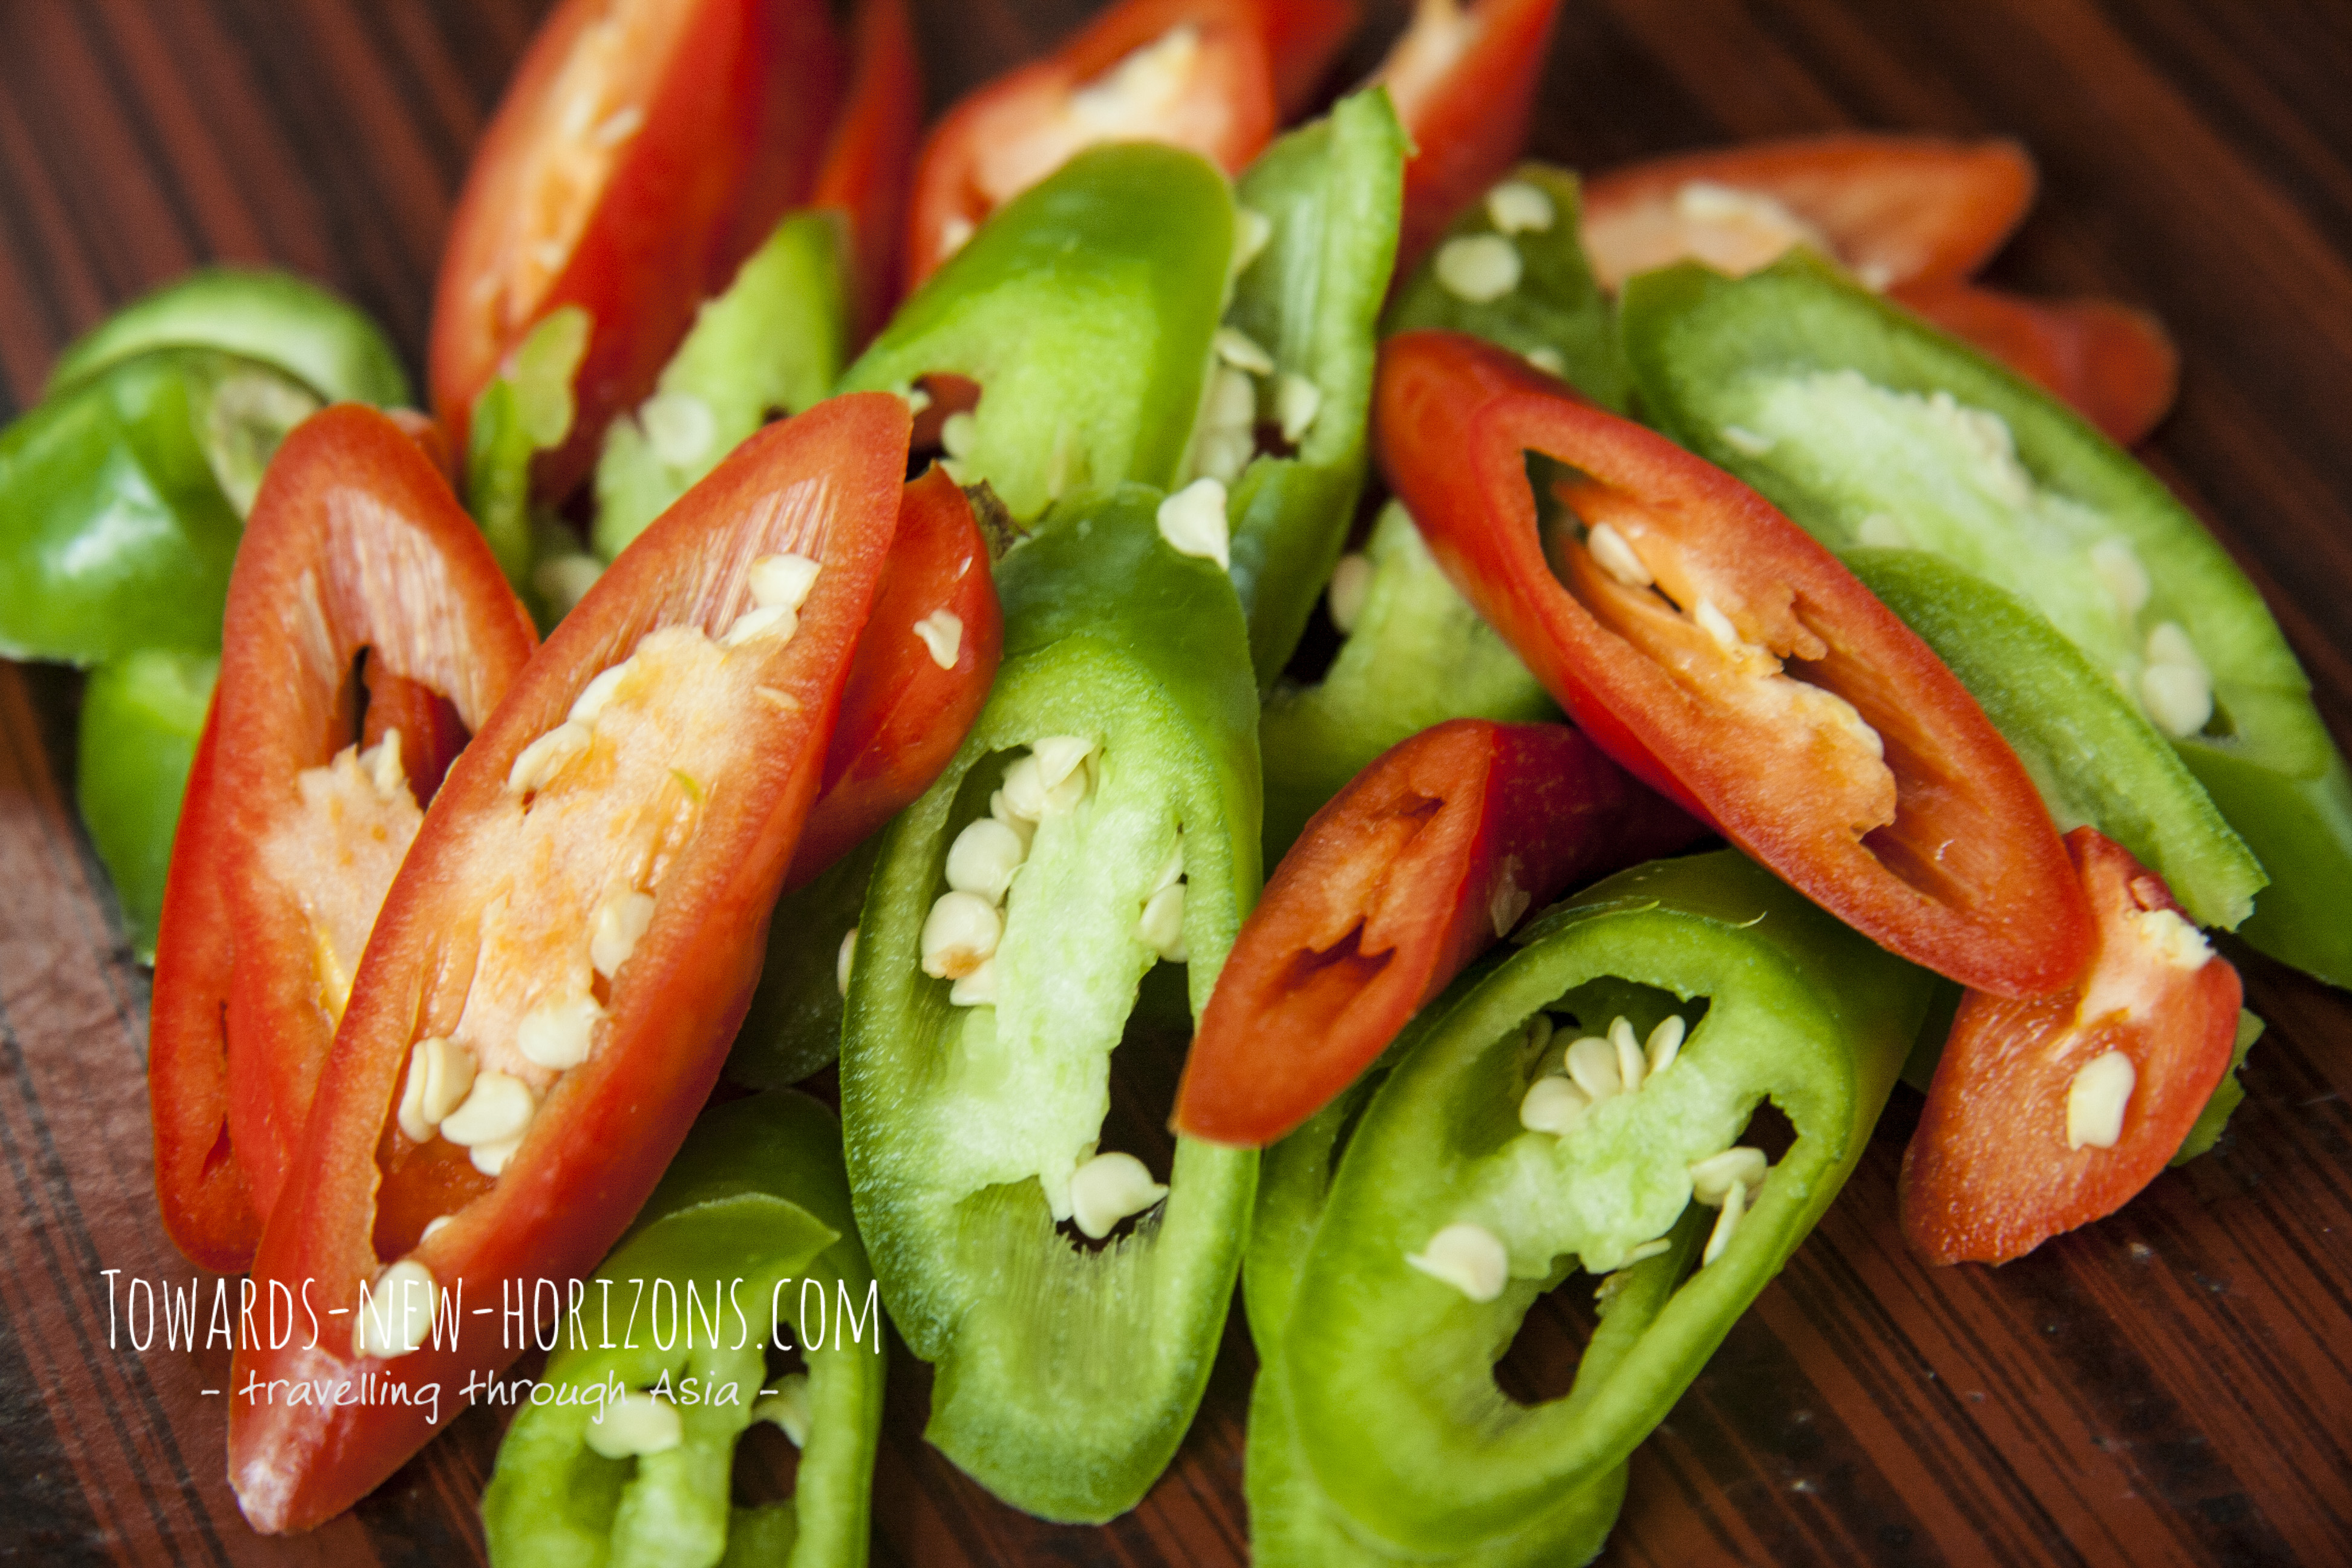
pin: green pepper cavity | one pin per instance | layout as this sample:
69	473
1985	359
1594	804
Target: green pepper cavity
1085	309
772	342
757	1196
1868	427
1402	620
1114	763
124	497
1450	1213
1511	268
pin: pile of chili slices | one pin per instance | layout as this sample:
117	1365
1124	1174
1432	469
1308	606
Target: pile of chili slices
494	784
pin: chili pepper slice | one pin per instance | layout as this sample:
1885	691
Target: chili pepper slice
1084	311
608	179
1101	817
756	1211
1870	428
868	170
1496	1158
355	547
1401	619
1465	85
1284	420
1725	658
141	716
1896	210
1190	73
2114	365
1511	268
549	989
276	318
2050	1113
1303	38
1430	856
2092	752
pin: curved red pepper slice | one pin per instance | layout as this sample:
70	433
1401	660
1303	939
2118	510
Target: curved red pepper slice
804	86
1998	1164
1303	38
684	782
1190	72
2114	365
1892	209
1426	859
283	853
869	162
611	178
1757	683
207	1201
903	713
1464	84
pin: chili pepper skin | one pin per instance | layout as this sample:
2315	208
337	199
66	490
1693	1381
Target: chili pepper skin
1208	89
1998	1162
2091	751
1310	299
1854	409
1554	314
1376	693
1919	826
757	1205
1391	1370
1429	857
124	497
696	789
1464	85
276	318
140	717
1896	209
1303	38
1084	311
869	161
774	340
526	409
1066	1379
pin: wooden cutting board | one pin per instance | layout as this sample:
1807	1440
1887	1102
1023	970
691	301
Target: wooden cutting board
2172	1386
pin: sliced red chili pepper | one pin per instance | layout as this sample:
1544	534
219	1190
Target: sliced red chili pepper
610	178
869	163
1893	210
357	552
1303	38
1713	648
207	1201
2049	1113
2116	365
923	668
582	917
1426	859
1464	83
804	86
1190	72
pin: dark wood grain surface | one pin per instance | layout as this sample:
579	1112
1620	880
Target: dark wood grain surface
2171	1386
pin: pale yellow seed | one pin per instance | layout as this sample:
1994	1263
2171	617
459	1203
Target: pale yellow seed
1107	1189
1470	1257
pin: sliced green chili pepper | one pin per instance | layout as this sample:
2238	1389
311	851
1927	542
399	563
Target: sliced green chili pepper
1067	1376
526	409
1292	1522
793	1027
1085	309
1869	427
2091	750
274	317
756	1209
772	342
1416	654
1540	300
1391	1361
1309	302
121	499
140	715
2228	1095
